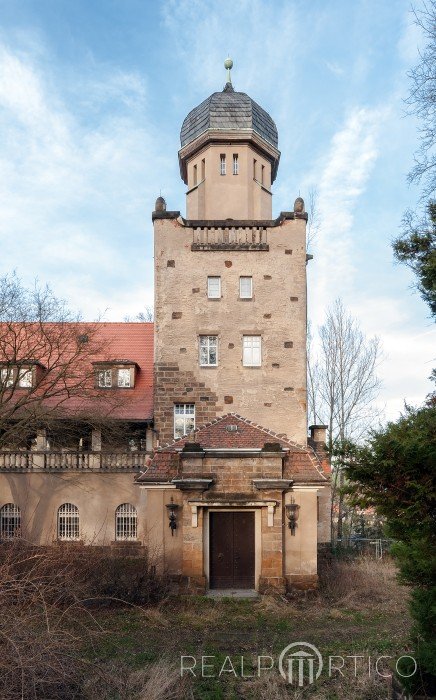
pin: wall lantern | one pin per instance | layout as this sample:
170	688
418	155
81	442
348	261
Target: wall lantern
172	507
292	509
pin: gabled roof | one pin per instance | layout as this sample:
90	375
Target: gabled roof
303	464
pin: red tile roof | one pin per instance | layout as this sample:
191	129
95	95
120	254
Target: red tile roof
301	465
56	344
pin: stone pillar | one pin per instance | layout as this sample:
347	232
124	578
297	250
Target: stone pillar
301	548
38	459
271	576
192	556
95	461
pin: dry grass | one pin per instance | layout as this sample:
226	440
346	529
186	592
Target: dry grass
361	583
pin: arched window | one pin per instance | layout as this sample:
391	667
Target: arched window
68	522
126	522
10	521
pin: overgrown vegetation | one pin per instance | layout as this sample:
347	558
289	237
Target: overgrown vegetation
395	473
61	638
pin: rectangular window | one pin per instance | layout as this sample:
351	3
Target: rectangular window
235	164
203	169
25	378
222	164
208	350
105	378
214	287
124	378
254	168
184	419
251	354
262	175
7	376
195	174
246	287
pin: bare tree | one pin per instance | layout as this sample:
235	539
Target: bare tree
313	218
145	316
343	385
46	363
422	101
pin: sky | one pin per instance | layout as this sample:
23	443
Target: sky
92	97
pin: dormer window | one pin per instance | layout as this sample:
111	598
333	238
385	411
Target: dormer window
24	378
222	164
104	378
7	376
117	374
124	379
17	377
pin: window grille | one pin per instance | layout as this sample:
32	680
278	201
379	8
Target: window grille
222	164
124	378
105	378
235	164
126	522
68	522
246	287
251	356
10	521
184	419
214	287
208	350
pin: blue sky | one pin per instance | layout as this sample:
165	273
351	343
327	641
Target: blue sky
92	97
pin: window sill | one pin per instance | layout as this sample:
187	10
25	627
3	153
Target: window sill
214	298
245	298
252	366
208	366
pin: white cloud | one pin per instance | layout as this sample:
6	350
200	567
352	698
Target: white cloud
335	68
75	192
342	175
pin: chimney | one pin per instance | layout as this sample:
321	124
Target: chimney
318	433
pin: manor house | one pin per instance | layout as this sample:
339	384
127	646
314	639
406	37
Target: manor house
213	472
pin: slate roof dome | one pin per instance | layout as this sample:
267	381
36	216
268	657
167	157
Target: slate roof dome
228	110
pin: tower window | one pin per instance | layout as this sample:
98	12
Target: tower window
214	287
254	168
251	351
222	164
235	164
262	175
184	419
208	350
246	287
195	174
203	169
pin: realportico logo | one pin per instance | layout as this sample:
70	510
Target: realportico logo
300	664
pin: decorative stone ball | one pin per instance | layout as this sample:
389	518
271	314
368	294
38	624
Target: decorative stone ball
299	205
228	63
160	205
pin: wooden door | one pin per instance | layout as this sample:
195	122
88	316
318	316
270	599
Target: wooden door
231	549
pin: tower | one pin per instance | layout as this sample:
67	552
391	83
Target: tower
230	280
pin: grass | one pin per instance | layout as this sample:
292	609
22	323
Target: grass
360	609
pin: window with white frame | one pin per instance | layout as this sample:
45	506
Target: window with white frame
124	378
222	164
184	419
10	521
214	287
251	351
104	378
235	164
68	522
7	376
25	378
208	350
126	522
246	287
